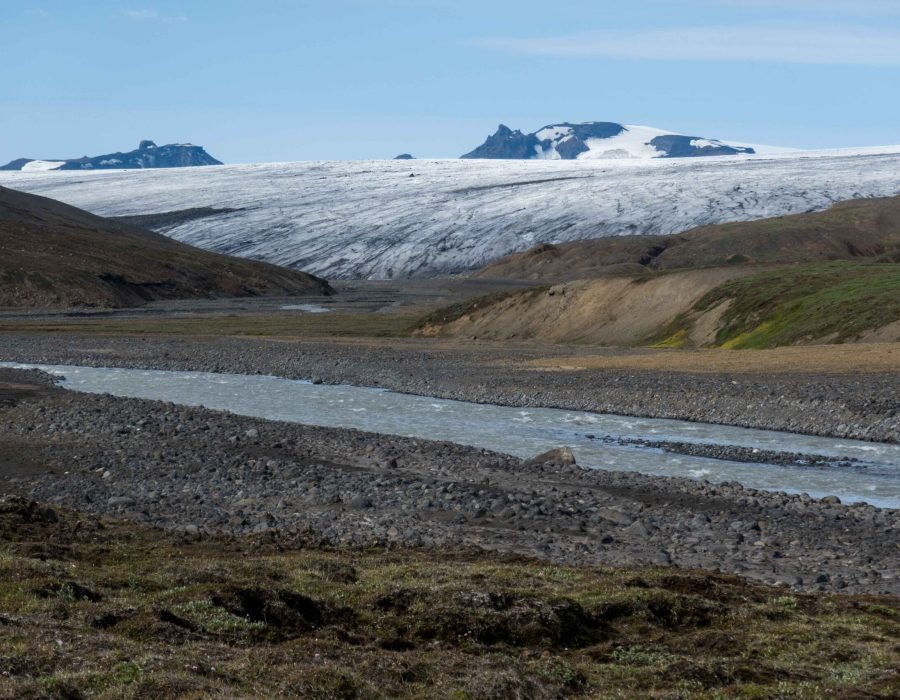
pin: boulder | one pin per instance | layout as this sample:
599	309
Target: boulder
562	456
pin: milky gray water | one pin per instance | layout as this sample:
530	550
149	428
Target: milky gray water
519	431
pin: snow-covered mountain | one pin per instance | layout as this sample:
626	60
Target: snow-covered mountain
147	155
606	140
371	219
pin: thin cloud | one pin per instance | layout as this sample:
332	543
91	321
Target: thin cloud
849	7
37	12
155	16
762	43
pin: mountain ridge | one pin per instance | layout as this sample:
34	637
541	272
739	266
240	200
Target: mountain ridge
605	140
146	155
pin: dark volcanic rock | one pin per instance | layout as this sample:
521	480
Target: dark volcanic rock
682	147
506	144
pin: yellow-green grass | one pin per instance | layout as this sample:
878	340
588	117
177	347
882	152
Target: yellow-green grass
828	302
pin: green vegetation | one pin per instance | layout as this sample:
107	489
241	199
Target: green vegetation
809	302
831	302
94	609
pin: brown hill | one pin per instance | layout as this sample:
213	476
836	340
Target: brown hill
738	306
55	255
867	228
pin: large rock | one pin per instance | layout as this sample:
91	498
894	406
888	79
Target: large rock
561	456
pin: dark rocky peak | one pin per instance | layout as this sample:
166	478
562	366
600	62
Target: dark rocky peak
506	143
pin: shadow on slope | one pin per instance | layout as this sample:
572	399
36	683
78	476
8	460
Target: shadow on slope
55	255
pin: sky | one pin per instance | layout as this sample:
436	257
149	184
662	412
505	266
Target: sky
280	80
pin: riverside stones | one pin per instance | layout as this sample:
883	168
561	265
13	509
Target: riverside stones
322	484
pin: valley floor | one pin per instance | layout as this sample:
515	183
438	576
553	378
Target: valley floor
841	391
335	563
208	472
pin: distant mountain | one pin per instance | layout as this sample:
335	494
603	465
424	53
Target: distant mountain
590	140
147	155
404	156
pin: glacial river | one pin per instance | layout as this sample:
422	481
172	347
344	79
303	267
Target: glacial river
523	432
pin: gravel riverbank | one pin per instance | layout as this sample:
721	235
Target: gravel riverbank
205	472
859	406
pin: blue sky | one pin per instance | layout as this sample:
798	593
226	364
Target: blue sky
268	80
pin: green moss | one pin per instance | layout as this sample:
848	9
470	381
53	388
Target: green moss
828	302
808	302
676	340
250	619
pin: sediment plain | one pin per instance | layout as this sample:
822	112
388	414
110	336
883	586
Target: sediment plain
207	473
785	392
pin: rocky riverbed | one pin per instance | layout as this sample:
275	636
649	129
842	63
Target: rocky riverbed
859	406
203	472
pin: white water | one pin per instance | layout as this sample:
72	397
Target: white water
519	431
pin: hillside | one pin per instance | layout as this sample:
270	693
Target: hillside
867	228
54	255
373	220
733	307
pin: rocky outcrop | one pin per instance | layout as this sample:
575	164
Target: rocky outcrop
693	146
506	144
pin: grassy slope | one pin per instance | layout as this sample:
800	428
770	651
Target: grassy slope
834	301
110	610
821	302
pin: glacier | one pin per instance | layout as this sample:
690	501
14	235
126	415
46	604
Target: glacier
389	219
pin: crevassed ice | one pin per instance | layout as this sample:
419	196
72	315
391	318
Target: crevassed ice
371	219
